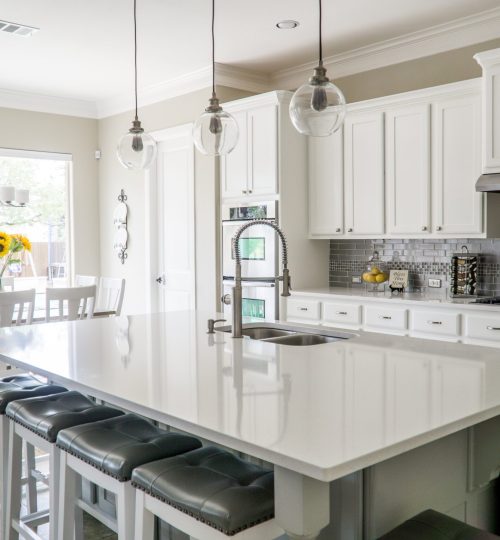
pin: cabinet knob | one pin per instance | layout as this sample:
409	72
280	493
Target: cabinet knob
424	228
349	230
439	228
244	191
338	229
249	191
226	299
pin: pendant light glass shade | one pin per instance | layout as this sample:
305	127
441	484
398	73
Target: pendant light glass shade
318	108
136	150
216	132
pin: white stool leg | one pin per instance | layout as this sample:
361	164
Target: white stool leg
144	519
4	456
31	495
78	510
54	487
125	510
13	495
67	500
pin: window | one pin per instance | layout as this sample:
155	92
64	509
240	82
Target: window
44	220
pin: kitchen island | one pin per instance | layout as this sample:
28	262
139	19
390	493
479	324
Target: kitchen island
320	414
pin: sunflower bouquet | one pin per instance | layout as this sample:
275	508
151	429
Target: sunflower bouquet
11	248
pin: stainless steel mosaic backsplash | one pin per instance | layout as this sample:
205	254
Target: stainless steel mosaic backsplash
423	258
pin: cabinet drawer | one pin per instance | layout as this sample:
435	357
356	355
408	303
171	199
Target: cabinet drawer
389	318
485	327
436	322
303	309
341	313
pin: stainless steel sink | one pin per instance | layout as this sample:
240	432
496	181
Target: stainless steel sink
303	340
284	334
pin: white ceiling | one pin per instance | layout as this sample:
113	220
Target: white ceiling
84	48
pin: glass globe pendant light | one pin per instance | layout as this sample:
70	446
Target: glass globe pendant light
215	133
136	149
318	107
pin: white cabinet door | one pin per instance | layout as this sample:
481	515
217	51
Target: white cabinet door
364	173
234	166
263	150
326	184
457	208
408	169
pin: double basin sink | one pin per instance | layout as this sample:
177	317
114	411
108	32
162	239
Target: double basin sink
283	334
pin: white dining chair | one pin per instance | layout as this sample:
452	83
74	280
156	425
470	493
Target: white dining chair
111	292
8	282
17	307
85	281
73	303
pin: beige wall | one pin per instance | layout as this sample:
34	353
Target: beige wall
113	177
27	130
448	67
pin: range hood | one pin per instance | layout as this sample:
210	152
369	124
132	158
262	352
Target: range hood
489	183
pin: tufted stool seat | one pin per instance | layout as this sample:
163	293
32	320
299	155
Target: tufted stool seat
431	525
105	453
48	415
214	487
24	386
118	445
38	420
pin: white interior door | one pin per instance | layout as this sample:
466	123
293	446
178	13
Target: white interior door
176	225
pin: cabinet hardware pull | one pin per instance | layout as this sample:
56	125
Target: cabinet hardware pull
439	228
249	191
492	328
386	317
349	230
244	191
338	229
424	228
434	322
303	309
341	312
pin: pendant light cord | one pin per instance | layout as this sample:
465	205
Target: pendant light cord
213	48
135	56
320	33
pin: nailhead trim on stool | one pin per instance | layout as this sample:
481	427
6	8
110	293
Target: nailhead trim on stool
212	486
431	525
118	445
47	415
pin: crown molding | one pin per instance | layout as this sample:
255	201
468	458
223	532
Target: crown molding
191	82
13	99
455	34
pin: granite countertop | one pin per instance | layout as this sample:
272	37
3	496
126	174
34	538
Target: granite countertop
324	411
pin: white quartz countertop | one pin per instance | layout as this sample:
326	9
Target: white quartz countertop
436	298
324	411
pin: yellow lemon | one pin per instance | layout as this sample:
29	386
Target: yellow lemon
375	271
370	278
380	278
366	276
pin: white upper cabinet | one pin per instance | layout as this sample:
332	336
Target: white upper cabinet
252	167
364	173
457	208
408	169
326	185
490	62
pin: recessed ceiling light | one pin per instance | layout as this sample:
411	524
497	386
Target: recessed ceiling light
287	25
17	29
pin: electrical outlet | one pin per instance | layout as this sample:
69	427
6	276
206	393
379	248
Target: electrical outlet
434	283
356	280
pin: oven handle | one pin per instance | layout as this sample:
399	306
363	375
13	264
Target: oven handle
251	283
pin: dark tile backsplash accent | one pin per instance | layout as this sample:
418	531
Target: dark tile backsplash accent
423	258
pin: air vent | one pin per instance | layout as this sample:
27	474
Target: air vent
17	29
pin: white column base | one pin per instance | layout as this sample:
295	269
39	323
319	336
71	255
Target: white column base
302	504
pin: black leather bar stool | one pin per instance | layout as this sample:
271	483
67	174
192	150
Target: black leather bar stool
38	420
12	388
431	525
208	494
105	453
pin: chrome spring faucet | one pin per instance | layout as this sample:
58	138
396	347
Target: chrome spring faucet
237	289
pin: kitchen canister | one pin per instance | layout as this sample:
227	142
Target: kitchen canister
464	268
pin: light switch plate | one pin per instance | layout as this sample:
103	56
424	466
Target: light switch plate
434	283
